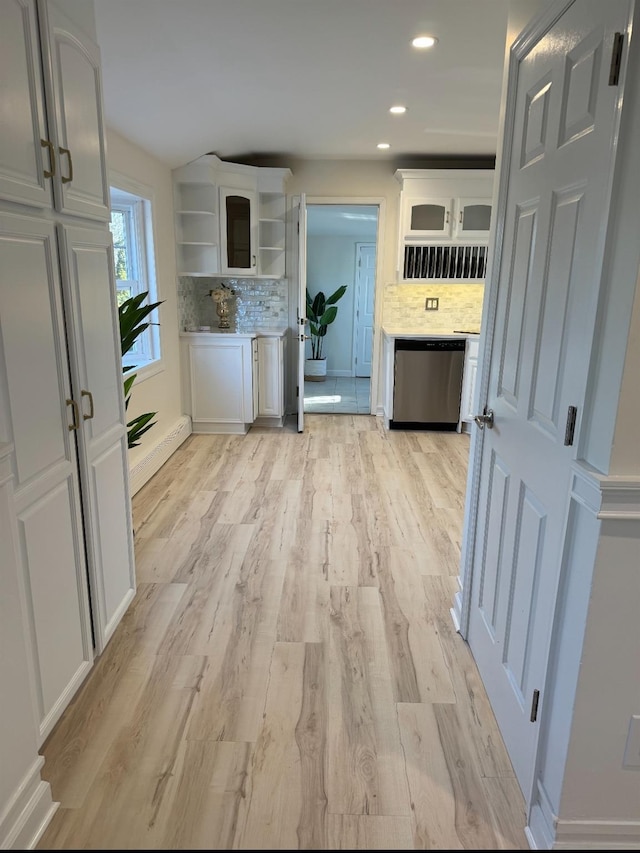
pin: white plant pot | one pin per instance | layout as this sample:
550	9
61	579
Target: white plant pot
315	369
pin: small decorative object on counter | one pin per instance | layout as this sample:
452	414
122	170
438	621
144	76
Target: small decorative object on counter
221	296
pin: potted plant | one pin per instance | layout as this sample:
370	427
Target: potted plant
321	312
132	314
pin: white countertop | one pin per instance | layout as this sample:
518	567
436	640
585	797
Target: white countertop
225	333
427	335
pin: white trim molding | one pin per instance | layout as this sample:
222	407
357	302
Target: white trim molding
143	470
28	813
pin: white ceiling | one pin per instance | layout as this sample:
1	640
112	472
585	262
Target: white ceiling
302	78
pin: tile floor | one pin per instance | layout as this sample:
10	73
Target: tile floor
348	395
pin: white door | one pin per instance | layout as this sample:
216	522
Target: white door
97	381
365	288
75	117
560	143
302	304
43	422
24	162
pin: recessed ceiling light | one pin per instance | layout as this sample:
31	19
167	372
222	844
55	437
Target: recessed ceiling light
383	145
398	109
424	41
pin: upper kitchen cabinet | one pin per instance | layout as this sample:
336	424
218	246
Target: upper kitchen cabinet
445	217
54	140
230	219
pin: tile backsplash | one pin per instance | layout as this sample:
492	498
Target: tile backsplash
460	306
259	303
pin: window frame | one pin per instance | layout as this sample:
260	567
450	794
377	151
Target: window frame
136	201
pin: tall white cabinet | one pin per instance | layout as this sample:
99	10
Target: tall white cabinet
61	401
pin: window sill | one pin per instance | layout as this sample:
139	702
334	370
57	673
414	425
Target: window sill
144	371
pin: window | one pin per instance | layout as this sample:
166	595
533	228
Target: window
133	256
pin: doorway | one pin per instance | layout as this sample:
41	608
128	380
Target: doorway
341	246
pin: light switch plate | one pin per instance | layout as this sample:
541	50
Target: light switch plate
431	303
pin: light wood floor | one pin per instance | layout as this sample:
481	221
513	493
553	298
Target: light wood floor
288	675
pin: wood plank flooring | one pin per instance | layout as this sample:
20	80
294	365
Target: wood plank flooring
288	675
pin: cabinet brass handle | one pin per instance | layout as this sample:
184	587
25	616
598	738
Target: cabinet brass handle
447	219
91	410
69	177
52	158
461	216
76	417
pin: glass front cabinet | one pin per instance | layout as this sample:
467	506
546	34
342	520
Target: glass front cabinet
238	231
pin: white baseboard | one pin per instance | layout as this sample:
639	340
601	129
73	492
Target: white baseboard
159	453
28	813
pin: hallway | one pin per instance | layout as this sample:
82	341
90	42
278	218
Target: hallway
288	675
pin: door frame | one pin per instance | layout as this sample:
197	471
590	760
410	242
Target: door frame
356	299
380	203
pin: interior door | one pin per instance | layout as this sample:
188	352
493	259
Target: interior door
559	148
365	287
302	303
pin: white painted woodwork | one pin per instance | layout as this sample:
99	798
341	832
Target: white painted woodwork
444	195
364	299
200	190
47	492
302	322
560	154
23	160
28	797
227	232
467	400
95	342
75	117
220	373
270	377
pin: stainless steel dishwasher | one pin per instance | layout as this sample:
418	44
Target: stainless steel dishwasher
427	383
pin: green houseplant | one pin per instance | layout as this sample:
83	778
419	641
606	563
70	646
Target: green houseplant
321	312
132	314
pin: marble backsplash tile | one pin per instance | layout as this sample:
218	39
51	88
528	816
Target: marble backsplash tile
460	306
258	303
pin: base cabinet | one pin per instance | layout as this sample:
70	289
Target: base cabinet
271	379
232	380
467	401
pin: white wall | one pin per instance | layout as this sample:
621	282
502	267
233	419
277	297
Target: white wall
160	392
331	263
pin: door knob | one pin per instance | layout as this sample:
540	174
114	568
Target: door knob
486	418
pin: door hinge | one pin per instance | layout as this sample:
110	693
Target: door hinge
616	59
570	428
534	706
297	390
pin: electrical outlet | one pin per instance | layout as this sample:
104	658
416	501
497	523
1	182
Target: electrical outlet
431	303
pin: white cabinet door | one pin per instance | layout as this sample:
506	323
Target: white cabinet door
43	422
270	377
97	381
238	231
24	160
75	117
221	380
473	218
427	218
467	408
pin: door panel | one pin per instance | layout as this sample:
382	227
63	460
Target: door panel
97	381
555	214
81	185
47	495
302	304
21	152
366	282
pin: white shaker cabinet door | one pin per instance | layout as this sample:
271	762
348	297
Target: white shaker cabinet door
270	377
25	158
42	423
97	379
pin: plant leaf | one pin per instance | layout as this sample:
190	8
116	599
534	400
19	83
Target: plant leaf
337	295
